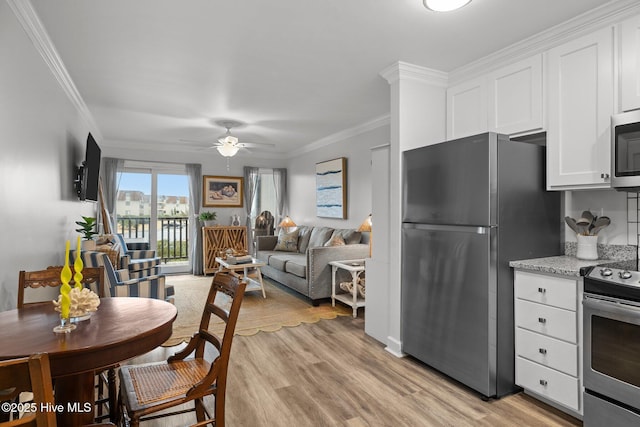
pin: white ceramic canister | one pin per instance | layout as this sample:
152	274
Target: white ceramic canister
587	247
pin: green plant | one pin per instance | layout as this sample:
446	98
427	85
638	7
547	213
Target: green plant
207	216
87	227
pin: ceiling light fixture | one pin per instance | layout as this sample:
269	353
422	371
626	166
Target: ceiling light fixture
444	5
228	149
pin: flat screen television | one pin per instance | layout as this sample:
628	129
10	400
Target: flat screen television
88	174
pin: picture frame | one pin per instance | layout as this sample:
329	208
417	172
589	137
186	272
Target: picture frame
331	188
222	191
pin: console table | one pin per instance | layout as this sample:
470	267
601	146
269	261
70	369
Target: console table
216	240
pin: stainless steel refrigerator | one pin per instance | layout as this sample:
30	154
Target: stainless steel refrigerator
469	207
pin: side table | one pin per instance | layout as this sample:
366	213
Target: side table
356	268
252	284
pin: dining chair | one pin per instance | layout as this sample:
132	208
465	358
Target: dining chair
150	388
30	375
92	278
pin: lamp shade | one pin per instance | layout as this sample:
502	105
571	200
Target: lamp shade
366	224
444	5
287	222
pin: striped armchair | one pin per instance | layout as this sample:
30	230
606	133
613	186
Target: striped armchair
120	283
139	263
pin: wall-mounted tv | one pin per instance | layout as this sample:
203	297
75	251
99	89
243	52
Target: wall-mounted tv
87	177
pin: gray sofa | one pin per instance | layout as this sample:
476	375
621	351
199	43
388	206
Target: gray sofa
306	268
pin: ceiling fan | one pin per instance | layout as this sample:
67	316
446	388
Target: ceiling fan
228	145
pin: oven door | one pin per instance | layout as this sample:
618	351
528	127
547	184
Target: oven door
612	348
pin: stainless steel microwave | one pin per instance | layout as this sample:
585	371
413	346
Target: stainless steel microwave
625	151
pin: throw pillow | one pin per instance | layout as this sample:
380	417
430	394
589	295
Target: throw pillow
349	235
287	242
335	240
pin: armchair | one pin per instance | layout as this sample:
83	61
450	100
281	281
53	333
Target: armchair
140	263
120	283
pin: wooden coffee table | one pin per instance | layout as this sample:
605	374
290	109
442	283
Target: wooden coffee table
253	283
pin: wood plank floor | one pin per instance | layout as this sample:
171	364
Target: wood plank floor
331	374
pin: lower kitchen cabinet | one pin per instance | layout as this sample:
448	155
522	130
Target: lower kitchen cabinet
548	341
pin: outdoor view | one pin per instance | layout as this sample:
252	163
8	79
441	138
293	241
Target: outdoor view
154	219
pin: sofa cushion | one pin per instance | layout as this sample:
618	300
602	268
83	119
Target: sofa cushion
287	242
335	240
350	236
297	265
304	233
319	236
277	262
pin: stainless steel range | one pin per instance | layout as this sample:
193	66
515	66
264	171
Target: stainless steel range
612	348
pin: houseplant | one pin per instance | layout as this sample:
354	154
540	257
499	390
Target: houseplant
88	230
208	218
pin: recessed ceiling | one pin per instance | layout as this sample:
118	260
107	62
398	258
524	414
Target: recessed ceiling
291	71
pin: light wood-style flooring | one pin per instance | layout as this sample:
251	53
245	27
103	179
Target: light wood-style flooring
332	374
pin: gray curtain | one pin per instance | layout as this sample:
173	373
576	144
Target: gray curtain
280	184
194	171
251	177
109	174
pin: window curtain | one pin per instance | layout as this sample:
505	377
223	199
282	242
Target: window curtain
109	173
194	171
251	177
280	184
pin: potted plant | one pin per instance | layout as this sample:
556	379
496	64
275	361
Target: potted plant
208	218
88	230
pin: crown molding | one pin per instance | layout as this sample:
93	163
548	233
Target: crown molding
342	135
405	71
30	22
608	14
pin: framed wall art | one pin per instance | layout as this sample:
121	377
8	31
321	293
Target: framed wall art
222	191
331	188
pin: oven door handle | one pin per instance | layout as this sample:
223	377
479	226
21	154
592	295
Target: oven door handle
611	305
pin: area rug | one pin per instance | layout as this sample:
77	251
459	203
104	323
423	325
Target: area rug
281	308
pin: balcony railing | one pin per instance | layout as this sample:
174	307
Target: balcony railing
172	235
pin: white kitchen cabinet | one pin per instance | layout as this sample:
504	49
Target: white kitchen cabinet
467	108
515	97
630	64
580	94
548	342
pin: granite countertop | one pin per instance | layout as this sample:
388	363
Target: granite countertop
569	265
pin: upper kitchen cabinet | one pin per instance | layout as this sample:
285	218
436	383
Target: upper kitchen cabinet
467	108
515	97
507	100
630	64
580	94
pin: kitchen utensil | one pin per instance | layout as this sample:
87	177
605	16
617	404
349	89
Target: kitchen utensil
572	224
586	219
599	224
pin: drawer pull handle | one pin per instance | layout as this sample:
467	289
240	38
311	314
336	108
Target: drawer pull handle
542	320
542	350
542	290
543	383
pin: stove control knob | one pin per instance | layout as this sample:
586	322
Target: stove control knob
624	275
606	272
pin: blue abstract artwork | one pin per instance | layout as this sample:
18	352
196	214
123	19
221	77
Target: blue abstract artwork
331	189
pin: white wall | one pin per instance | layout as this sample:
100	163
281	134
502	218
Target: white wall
301	173
42	140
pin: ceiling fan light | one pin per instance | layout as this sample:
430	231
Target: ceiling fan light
444	5
229	139
227	149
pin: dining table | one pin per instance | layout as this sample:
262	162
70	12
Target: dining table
120	329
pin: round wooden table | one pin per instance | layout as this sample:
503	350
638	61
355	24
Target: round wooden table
122	328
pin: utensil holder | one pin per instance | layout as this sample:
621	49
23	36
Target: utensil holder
587	247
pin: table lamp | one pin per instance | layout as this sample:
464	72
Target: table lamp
366	226
287	223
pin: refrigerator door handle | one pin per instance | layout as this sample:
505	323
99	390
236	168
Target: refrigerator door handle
459	228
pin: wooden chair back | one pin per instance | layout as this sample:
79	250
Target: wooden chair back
93	278
28	374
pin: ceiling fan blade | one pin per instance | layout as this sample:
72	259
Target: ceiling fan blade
255	145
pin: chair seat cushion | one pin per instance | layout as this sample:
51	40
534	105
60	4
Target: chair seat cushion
143	264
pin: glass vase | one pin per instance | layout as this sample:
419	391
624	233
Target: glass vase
65	326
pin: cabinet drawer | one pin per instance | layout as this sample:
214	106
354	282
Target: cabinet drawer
547	351
555	291
551	321
549	383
